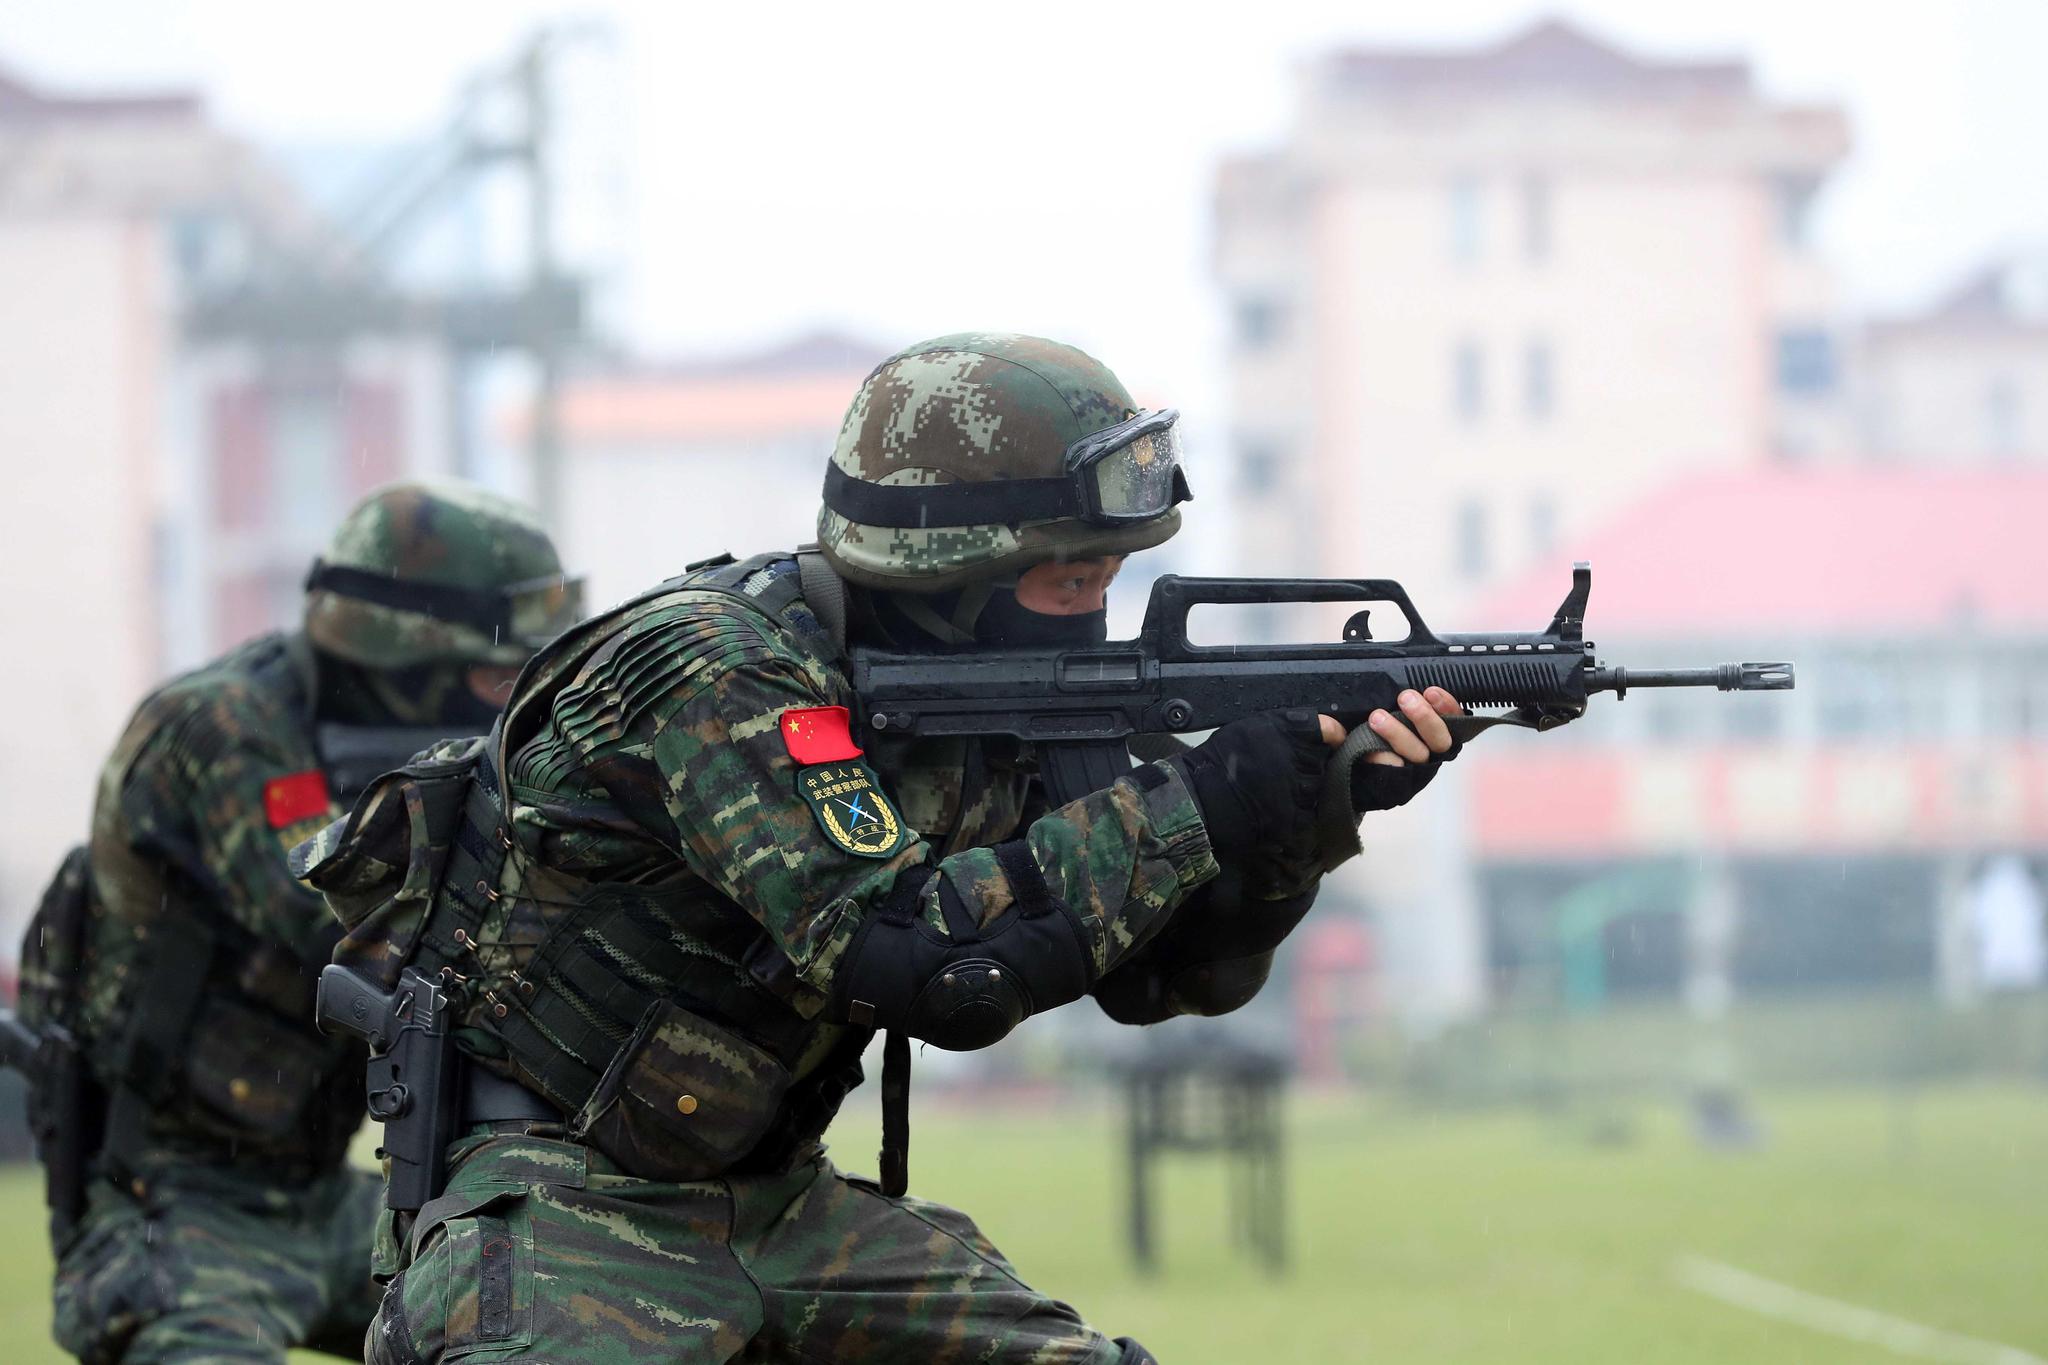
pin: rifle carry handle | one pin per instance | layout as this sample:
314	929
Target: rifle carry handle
1173	597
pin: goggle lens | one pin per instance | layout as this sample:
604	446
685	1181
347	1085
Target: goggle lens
1137	479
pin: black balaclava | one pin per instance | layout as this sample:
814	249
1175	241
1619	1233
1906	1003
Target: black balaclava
982	615
1007	623
431	694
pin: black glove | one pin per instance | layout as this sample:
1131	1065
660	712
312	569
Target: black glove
1257	780
1382	786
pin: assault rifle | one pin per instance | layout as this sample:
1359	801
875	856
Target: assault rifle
411	1074
64	1112
1080	708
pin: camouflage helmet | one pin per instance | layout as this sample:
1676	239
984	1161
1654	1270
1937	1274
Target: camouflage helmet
428	572
981	453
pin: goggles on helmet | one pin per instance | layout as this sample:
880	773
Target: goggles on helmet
1127	473
533	609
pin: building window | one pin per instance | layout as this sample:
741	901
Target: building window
2002	416
1468	381
1259	321
308	460
1464	220
205	246
1536	218
2015	697
1795	210
1471	538
1539	379
1806	362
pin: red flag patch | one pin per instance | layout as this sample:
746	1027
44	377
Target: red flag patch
288	800
819	734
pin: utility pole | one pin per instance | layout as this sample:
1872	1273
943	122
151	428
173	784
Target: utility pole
546	436
349	290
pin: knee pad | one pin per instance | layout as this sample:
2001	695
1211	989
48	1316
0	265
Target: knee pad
1134	1354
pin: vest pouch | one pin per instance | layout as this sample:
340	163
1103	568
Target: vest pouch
66	1110
380	865
684	1099
53	949
250	1071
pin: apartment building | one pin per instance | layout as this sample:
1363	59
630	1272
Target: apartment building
1482	297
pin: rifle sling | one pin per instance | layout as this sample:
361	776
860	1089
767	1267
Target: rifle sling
824	592
895	1155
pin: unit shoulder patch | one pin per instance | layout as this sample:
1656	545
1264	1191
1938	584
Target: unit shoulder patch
851	809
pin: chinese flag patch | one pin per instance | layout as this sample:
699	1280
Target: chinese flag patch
819	734
288	800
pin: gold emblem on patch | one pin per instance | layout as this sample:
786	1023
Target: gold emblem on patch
851	809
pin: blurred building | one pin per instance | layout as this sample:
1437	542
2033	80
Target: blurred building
165	493
1482	297
1846	825
668	464
1966	380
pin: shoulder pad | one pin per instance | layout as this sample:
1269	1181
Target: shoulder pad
699	623
203	716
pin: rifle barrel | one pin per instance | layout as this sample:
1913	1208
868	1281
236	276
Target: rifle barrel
1773	677
18	1045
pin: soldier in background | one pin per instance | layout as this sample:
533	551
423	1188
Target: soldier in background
674	901
211	1215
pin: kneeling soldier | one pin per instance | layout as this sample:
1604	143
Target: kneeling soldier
671	900
209	1214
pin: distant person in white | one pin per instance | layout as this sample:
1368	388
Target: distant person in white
2006	917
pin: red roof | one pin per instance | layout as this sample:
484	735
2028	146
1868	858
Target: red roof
1832	549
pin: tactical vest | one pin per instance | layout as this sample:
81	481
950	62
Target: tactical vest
668	1028
211	1054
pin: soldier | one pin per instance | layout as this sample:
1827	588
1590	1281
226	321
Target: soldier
217	1220
673	900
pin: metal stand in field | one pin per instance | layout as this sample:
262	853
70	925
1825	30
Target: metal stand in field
1216	1097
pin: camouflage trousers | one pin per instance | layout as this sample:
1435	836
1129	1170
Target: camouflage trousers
208	1265
540	1251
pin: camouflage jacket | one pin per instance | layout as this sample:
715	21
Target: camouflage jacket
644	752
202	952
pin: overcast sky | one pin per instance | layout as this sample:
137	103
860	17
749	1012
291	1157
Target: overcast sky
906	169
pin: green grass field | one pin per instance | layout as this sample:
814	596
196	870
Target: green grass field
1480	1237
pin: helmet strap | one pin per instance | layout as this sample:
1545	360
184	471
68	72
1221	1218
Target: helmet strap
919	612
914	621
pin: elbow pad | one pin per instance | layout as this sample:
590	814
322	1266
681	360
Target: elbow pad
1152	996
1212	957
966	988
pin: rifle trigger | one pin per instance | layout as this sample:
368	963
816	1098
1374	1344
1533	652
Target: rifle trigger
1359	627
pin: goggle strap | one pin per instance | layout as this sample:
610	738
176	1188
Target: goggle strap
949	504
482	608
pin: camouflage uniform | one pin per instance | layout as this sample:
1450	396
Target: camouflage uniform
224	1224
645	920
